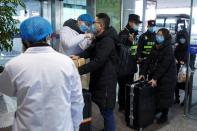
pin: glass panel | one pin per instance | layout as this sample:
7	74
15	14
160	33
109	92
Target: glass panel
33	9
72	9
170	25
112	8
191	92
160	23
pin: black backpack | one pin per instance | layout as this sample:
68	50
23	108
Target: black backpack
126	62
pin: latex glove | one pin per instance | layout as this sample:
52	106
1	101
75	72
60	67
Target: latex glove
153	83
89	36
141	77
74	57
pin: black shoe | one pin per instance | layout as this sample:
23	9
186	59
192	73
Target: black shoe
163	119
121	109
182	103
128	124
177	101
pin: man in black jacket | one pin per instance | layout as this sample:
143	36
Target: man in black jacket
146	42
102	68
128	38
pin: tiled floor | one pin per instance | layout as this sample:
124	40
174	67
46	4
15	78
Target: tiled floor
177	121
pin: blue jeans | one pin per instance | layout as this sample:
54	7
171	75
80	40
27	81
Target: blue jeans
109	121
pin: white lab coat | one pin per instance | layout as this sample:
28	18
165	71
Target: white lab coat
48	90
71	42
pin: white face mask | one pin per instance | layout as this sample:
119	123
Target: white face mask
182	40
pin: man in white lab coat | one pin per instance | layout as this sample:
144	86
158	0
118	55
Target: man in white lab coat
47	84
74	36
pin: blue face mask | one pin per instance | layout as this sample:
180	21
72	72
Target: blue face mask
152	29
92	29
159	39
182	40
83	28
135	27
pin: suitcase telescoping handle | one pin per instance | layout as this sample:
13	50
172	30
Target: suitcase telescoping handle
144	82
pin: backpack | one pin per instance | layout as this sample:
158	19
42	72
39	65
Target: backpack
126	61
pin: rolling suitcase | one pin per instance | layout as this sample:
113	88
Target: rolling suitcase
141	105
87	115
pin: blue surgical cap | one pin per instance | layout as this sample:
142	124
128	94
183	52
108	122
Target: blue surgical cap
86	18
35	29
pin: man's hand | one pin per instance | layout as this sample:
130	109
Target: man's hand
74	57
141	77
153	83
177	61
89	36
139	60
131	37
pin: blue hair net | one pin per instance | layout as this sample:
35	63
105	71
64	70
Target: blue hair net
35	29
86	18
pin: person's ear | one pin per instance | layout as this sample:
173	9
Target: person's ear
26	45
48	38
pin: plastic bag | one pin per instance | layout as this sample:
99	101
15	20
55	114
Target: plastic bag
182	74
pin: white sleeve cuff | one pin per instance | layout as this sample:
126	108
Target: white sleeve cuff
76	128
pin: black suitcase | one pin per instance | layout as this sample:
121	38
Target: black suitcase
87	112
140	104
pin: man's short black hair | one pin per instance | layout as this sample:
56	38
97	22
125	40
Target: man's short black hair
104	18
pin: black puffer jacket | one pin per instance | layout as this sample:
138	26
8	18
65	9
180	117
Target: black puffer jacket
102	68
181	49
161	67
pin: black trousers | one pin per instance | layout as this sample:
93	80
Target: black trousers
122	81
165	111
123	94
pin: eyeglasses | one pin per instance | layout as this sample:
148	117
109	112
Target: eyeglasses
96	22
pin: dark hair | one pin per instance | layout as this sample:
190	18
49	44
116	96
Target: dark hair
166	34
104	19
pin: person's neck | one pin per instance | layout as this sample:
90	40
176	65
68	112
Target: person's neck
101	32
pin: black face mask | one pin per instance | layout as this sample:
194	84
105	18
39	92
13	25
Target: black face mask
131	30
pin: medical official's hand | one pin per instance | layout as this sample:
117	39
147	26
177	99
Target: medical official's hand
153	83
74	57
89	36
141	77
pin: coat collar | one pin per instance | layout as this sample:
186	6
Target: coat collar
43	49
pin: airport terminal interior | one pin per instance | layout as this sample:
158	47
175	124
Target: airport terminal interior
175	15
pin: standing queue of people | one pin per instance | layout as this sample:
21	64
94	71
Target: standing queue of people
47	84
